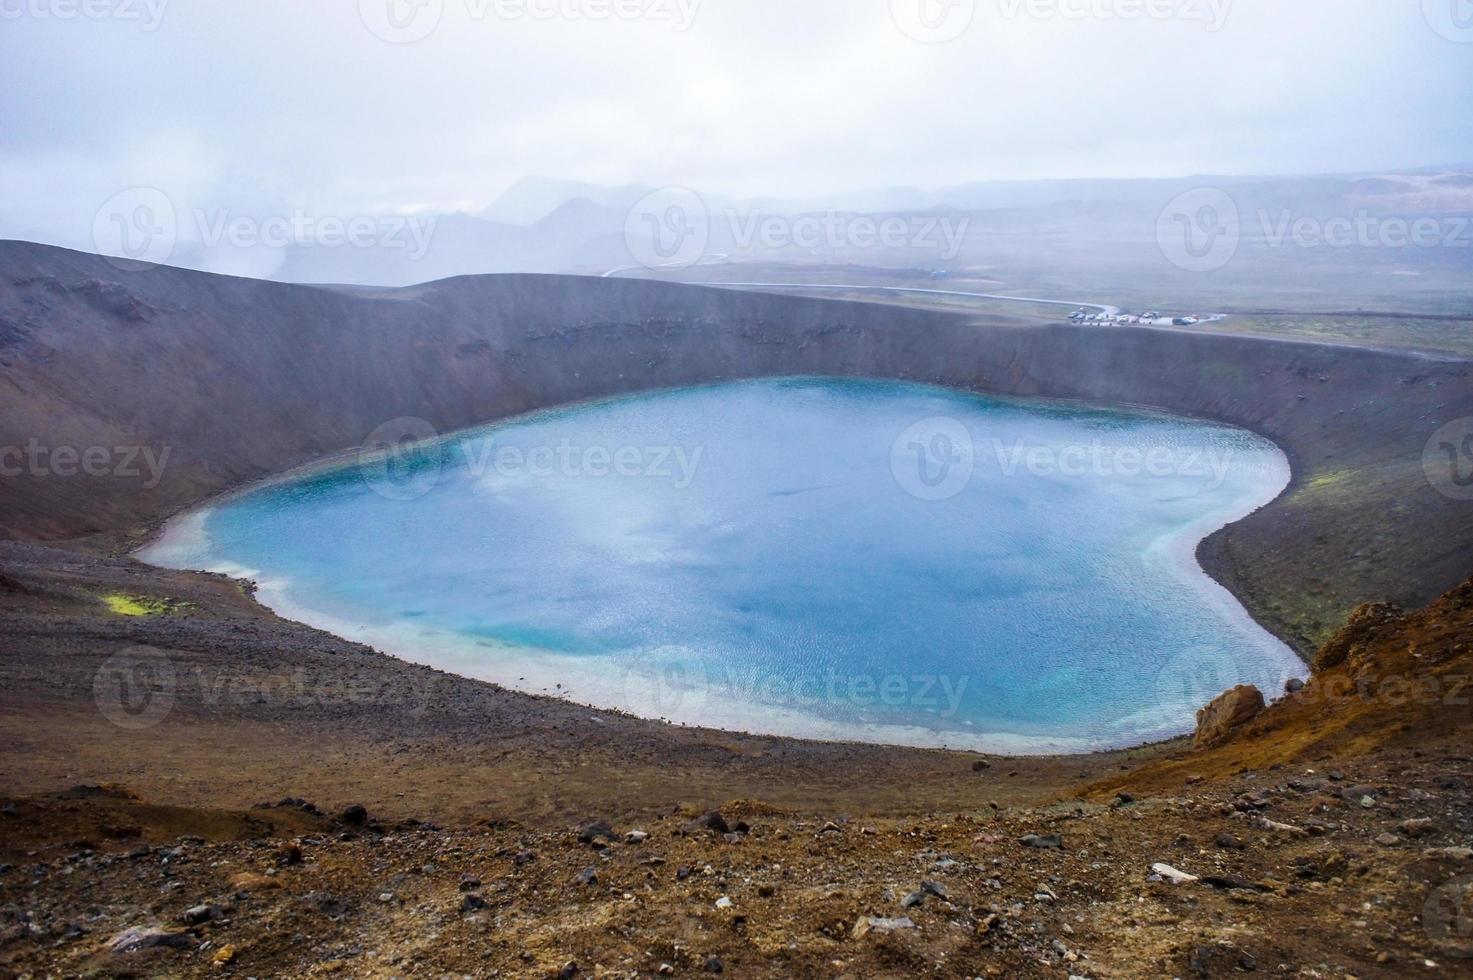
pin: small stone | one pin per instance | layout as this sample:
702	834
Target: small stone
200	913
1228	882
143	937
1420	827
1293	685
830	828
523	857
1168	873
471	902
224	955
248	881
356	815
713	964
867	924
1228	842
588	876
1388	840
724	902
469	883
1044	842
981	765
912	900
712	820
597	830
636	837
569	970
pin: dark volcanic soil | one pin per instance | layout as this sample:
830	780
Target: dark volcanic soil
1330	838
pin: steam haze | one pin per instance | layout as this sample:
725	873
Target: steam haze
276	104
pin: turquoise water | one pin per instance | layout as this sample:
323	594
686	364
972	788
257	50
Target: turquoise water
855	560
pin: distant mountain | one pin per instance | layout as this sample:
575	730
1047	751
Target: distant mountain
531	199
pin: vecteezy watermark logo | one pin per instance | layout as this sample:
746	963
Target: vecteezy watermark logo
1192	677
1448	460
1199	230
148	13
933	21
138	224
1212	13
666	683
37	459
401	459
837	232
1365	230
134	688
141	224
1452	19
1447	917
668	229
401	21
222	227
934	459
408	21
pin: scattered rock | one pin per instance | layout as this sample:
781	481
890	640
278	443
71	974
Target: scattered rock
147	937
588	876
473	903
1280	828
1168	873
248	881
224	956
1042	842
1293	685
636	837
200	914
724	902
1228	842
712	821
713	964
597	830
1229	711
1420	827
870	923
1228	882
355	815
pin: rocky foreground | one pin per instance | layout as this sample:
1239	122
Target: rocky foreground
1328	835
1364	871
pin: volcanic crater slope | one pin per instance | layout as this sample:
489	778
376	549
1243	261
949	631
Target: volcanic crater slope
223	381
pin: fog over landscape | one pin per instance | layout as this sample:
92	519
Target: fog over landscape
442	137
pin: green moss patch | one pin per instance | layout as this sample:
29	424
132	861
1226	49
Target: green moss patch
136	605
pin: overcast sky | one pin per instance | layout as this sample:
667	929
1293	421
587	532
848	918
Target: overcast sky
335	106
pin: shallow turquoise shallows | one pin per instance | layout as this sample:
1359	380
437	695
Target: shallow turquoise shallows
833	559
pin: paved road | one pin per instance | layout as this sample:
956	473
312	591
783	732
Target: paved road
1101	307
